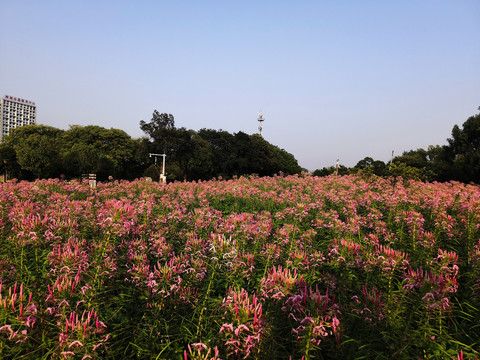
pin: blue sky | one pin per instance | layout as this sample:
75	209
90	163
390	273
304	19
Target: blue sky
334	79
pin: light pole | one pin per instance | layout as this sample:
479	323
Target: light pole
163	178
5	162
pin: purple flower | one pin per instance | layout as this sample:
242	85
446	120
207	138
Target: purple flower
428	296
307	320
30	321
228	327
199	346
76	343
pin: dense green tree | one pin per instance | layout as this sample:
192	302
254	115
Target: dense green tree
36	149
187	153
330	170
201	163
160	129
365	163
284	161
136	165
221	152
464	150
43	151
241	149
325	171
370	166
414	158
261	157
440	162
94	149
210	153
9	163
409	172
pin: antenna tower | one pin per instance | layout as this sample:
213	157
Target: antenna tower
260	121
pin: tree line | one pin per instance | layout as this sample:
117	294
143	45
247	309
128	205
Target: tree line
40	151
458	160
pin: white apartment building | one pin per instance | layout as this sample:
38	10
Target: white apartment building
16	112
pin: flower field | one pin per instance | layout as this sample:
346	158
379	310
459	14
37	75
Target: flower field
294	267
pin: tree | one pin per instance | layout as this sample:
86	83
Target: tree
329	170
94	149
262	158
221	151
159	129
325	171
365	163
210	153
414	158
284	161
201	161
181	151
136	165
440	162
36	149
10	164
464	150
369	166
241	149
409	172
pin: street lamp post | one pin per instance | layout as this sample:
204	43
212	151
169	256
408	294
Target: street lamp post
5	162
163	178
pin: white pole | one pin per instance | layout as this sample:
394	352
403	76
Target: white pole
162	176
163	168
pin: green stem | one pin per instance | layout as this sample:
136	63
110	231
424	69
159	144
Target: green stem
266	266
200	319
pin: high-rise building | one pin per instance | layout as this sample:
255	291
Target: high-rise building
16	112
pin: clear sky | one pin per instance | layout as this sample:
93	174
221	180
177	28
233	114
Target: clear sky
334	79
